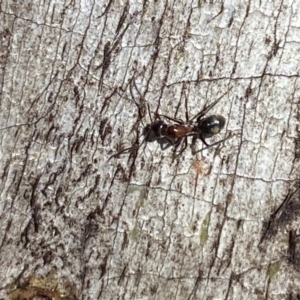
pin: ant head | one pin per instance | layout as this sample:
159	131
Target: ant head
153	131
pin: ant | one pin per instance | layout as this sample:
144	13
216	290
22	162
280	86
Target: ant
174	134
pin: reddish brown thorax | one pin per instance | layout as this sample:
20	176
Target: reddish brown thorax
178	131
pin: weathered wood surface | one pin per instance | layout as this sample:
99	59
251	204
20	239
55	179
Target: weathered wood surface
76	78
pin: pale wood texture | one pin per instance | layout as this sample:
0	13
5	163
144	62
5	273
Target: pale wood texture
76	82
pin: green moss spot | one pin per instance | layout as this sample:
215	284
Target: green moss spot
204	230
136	232
273	269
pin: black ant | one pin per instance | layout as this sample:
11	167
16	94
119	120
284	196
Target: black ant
175	133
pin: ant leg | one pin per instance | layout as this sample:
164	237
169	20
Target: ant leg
194	142
184	147
186	109
216	143
206	109
149	112
178	143
142	105
203	140
179	121
120	152
157	116
133	149
168	144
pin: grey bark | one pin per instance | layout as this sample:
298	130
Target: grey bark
76	82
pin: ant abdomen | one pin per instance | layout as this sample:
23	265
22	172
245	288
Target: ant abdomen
211	125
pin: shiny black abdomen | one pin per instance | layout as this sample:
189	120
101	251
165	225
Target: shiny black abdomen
211	125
